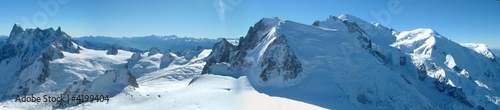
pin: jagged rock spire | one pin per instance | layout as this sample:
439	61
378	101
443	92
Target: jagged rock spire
16	29
153	51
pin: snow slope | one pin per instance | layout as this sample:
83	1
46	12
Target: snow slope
481	49
208	92
175	87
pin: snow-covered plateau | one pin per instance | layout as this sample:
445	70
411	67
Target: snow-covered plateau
338	63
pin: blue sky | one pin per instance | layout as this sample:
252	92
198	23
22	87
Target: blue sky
460	20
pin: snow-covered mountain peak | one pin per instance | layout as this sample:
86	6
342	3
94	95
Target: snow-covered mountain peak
272	21
352	18
420	33
427	31
480	48
153	51
420	41
371	32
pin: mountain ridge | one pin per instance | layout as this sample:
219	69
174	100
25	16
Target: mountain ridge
48	61
144	43
420	58
28	53
338	63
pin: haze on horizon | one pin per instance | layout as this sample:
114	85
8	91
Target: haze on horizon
461	21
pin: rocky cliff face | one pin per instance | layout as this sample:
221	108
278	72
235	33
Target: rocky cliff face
25	57
279	61
167	58
153	51
276	62
221	52
112	51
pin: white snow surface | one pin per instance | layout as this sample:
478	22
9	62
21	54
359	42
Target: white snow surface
88	64
208	92
479	48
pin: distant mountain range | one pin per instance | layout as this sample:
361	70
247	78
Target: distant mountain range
141	44
496	52
3	38
144	43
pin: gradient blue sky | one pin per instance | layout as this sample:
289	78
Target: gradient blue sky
460	20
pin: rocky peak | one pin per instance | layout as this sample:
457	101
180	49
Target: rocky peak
279	62
35	48
133	60
153	51
221	52
316	23
191	53
256	33
58	31
112	51
167	51
348	23
16	29
166	59
276	62
34	40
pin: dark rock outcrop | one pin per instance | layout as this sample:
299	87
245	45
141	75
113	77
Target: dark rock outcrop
153	51
279	59
112	51
221	52
166	59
